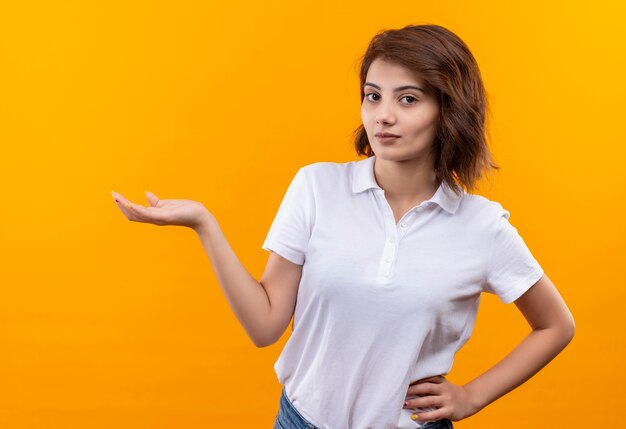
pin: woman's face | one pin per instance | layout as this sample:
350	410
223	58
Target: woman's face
398	102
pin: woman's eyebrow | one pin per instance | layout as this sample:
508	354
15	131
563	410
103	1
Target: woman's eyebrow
400	88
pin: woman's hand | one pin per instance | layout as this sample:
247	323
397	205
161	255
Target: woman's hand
451	401
163	212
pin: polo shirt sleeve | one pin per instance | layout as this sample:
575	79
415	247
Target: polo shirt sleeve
290	232
511	268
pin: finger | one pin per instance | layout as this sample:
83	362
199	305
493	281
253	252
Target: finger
429	401
120	199
441	413
148	214
138	213
153	199
131	210
126	203
427	388
433	379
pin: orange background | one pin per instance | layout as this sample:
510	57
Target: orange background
106	323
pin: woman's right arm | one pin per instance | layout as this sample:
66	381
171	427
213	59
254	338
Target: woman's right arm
263	308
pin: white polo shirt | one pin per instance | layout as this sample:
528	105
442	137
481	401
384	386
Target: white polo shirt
381	304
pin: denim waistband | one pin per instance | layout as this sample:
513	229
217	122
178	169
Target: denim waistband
290	416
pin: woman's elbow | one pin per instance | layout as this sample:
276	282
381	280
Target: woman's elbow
572	329
568	329
264	342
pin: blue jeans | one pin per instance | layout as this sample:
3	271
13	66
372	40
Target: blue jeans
289	418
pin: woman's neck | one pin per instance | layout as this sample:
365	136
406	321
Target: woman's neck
406	182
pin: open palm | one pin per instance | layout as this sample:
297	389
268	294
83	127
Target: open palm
163	212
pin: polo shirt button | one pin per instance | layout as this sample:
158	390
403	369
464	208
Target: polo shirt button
403	224
391	240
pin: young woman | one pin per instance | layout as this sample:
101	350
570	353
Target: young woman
382	261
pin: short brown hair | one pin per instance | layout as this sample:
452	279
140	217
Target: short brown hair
448	67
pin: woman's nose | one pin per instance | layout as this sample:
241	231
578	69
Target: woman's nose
384	114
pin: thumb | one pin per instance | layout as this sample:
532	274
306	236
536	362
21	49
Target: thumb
153	199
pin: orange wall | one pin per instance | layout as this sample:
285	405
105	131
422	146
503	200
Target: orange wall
108	323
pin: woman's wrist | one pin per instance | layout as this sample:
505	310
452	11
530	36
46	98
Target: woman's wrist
476	402
205	223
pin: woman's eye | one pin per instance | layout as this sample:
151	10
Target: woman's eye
372	96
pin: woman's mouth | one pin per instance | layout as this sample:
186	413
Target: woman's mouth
386	138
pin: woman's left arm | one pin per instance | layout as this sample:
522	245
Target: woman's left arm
552	329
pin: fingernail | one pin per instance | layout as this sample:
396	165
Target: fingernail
414	416
127	204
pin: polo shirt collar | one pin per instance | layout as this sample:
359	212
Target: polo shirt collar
363	179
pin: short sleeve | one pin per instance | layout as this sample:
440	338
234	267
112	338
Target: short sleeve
290	232
511	268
